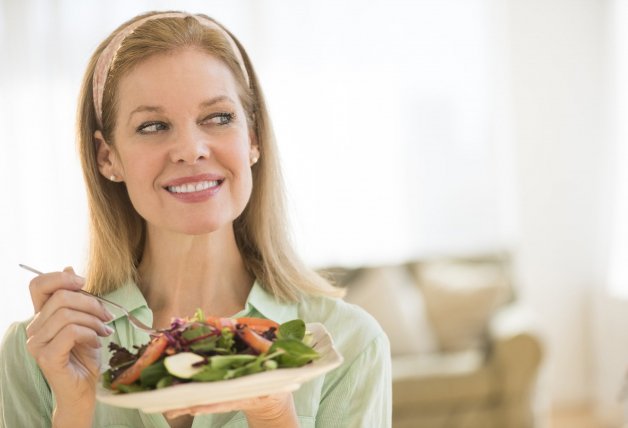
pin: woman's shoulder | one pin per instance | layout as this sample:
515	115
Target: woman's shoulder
25	397
13	352
14	335
13	346
336	310
351	327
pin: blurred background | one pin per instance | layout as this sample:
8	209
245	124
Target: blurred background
410	131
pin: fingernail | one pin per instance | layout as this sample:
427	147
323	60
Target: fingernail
108	330
108	315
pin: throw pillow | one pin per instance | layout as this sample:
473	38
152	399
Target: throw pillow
460	299
391	296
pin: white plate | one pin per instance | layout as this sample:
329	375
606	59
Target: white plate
199	393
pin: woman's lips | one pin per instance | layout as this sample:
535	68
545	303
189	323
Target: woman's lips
195	188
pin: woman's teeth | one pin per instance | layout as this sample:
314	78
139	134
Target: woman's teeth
193	187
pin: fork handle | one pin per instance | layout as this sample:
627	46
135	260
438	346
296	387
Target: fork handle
115	305
31	269
102	299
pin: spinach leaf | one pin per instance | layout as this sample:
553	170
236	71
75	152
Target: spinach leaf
153	374
209	374
197	332
253	366
296	353
106	379
165	382
205	345
294	329
243	371
134	387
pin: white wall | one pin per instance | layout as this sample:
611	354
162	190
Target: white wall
610	310
391	141
387	115
558	65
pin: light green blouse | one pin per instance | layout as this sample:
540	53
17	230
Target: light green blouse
356	394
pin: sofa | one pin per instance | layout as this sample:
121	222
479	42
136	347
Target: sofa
465	352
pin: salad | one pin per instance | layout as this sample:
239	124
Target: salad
205	349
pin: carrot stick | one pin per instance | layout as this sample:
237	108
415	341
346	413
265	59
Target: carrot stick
255	341
150	355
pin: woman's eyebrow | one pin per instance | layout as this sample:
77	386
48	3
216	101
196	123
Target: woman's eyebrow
144	108
158	109
216	100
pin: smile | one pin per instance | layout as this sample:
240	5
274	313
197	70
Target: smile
194	187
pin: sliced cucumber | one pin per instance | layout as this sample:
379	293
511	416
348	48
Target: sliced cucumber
181	365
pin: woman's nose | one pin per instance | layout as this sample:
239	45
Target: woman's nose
189	146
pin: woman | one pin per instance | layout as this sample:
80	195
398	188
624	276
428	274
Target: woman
186	211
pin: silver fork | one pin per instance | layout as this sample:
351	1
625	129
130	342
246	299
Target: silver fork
134	321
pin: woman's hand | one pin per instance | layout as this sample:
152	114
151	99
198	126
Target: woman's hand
63	339
268	411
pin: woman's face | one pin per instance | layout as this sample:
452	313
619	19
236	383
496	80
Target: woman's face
183	147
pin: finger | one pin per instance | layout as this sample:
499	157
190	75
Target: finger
197	410
56	353
48	329
43	286
173	414
222	407
71	300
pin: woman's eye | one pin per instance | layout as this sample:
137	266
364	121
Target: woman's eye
220	118
151	127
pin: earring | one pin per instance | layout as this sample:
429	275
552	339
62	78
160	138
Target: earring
112	178
253	161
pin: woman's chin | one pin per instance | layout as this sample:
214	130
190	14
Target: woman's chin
188	227
202	228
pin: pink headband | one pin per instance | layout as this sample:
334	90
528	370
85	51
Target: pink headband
108	54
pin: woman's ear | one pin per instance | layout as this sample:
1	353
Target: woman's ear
254	151
106	158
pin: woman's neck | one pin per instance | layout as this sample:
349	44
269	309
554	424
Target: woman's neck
180	273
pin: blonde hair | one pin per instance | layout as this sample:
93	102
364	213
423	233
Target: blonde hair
117	231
